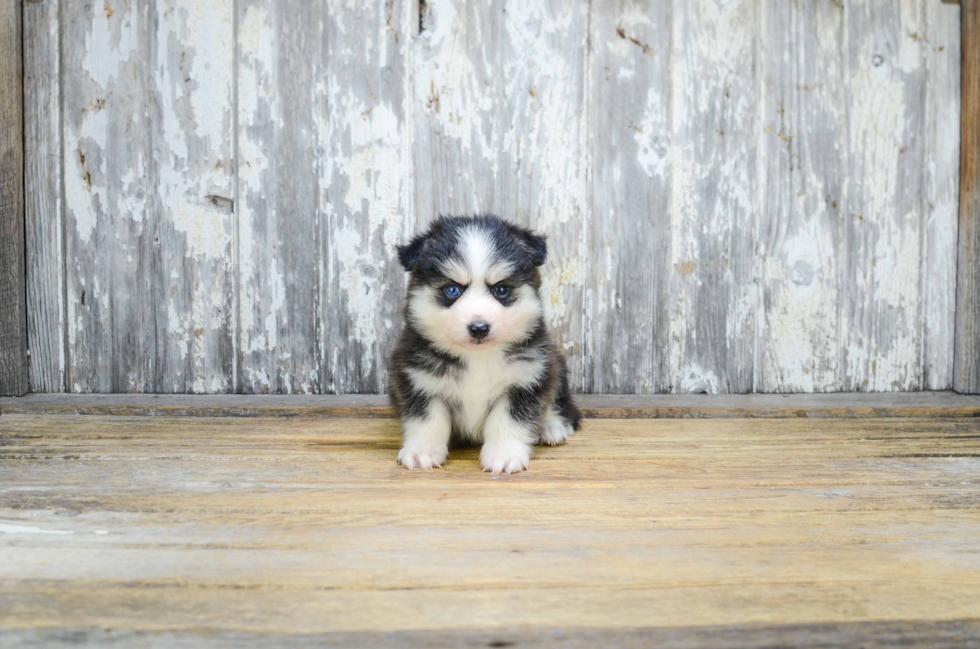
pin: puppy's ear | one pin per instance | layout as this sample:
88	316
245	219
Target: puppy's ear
536	246
410	254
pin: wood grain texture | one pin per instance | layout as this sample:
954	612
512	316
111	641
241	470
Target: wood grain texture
325	190
630	131
108	198
592	406
42	175
278	193
940	200
500	126
803	124
266	526
364	161
714	295
191	124
13	293
883	224
967	356
148	174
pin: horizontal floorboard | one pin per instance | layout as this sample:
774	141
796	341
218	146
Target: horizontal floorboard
670	406
228	531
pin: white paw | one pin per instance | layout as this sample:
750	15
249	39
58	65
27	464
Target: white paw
416	458
505	457
555	431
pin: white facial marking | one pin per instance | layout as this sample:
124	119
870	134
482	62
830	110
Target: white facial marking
478	265
498	272
478	251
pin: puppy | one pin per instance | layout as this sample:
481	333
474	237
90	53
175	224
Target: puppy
475	360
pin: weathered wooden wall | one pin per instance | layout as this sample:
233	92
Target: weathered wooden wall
966	370
13	297
740	195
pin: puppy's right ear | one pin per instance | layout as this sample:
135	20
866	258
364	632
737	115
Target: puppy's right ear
410	254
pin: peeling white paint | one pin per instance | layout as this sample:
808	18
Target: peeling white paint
505	124
942	142
540	134
366	186
800	321
448	85
885	326
803	166
712	192
652	136
194	79
278	300
109	43
196	127
260	112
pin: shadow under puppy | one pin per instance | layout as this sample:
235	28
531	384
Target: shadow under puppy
475	360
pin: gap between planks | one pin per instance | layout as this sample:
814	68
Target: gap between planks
951	634
693	406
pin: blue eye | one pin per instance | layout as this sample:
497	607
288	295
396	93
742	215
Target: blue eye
501	291
452	290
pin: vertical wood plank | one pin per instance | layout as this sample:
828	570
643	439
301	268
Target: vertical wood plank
191	127
364	162
42	183
883	226
108	194
148	181
803	122
714	110
940	201
501	126
13	293
966	372
280	70
629	262
457	87
543	161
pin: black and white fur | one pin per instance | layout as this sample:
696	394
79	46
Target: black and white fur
479	366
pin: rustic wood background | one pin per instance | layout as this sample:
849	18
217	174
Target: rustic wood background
740	195
13	298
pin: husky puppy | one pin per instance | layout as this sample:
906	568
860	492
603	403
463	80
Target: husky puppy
475	360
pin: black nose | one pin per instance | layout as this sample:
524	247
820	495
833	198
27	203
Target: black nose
479	329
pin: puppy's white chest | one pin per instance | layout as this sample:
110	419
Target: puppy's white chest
471	392
485	379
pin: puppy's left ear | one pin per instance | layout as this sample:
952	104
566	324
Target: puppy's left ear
536	246
410	254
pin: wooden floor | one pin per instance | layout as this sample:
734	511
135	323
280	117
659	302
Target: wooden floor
180	531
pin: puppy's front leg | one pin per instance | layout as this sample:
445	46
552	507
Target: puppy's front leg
425	436
509	432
